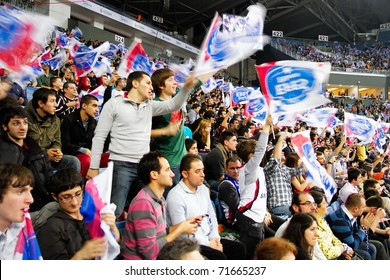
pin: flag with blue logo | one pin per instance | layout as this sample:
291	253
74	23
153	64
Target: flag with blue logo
84	61
231	39
293	86
61	39
209	85
56	62
135	60
360	127
322	117
256	107
27	247
96	201
182	71
315	173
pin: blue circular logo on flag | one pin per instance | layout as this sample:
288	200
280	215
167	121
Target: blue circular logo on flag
290	85
240	95
255	105
360	127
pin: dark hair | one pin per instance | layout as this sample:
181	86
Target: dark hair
233	158
295	231
158	79
209	114
370	192
9	112
245	148
189	142
292	160
53	79
242	130
274	248
318	196
369	183
185	164
135	76
14	175
374	201
176	249
66	85
296	200
41	94
86	99
353	174
148	163
226	135
63	180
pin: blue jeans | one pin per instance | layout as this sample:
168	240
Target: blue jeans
124	175
281	211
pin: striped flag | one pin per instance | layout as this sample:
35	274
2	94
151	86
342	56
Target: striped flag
27	247
96	201
315	173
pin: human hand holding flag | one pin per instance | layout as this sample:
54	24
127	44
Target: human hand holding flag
96	202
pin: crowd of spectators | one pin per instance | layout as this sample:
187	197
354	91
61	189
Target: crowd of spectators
228	150
372	57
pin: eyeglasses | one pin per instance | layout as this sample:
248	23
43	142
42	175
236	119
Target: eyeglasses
308	203
68	197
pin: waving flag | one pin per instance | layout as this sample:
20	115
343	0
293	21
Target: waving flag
57	61
288	119
257	107
96	202
61	39
182	71
380	138
240	38
102	66
240	95
209	85
292	86
111	52
86	60
322	117
135	60
76	33
158	65
27	247
22	35
360	127
315	173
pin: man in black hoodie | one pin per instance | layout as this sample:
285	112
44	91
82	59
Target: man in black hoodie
17	147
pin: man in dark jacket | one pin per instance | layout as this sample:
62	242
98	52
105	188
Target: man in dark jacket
17	147
77	130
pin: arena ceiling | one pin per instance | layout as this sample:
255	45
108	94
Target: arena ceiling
340	20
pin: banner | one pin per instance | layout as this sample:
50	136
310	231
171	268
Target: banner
97	195
315	173
135	60
360	127
293	86
239	38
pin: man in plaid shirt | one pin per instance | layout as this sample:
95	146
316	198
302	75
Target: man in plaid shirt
278	179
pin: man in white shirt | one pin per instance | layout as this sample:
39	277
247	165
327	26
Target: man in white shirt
352	186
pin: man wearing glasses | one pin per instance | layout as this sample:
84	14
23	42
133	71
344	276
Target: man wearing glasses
302	202
65	235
